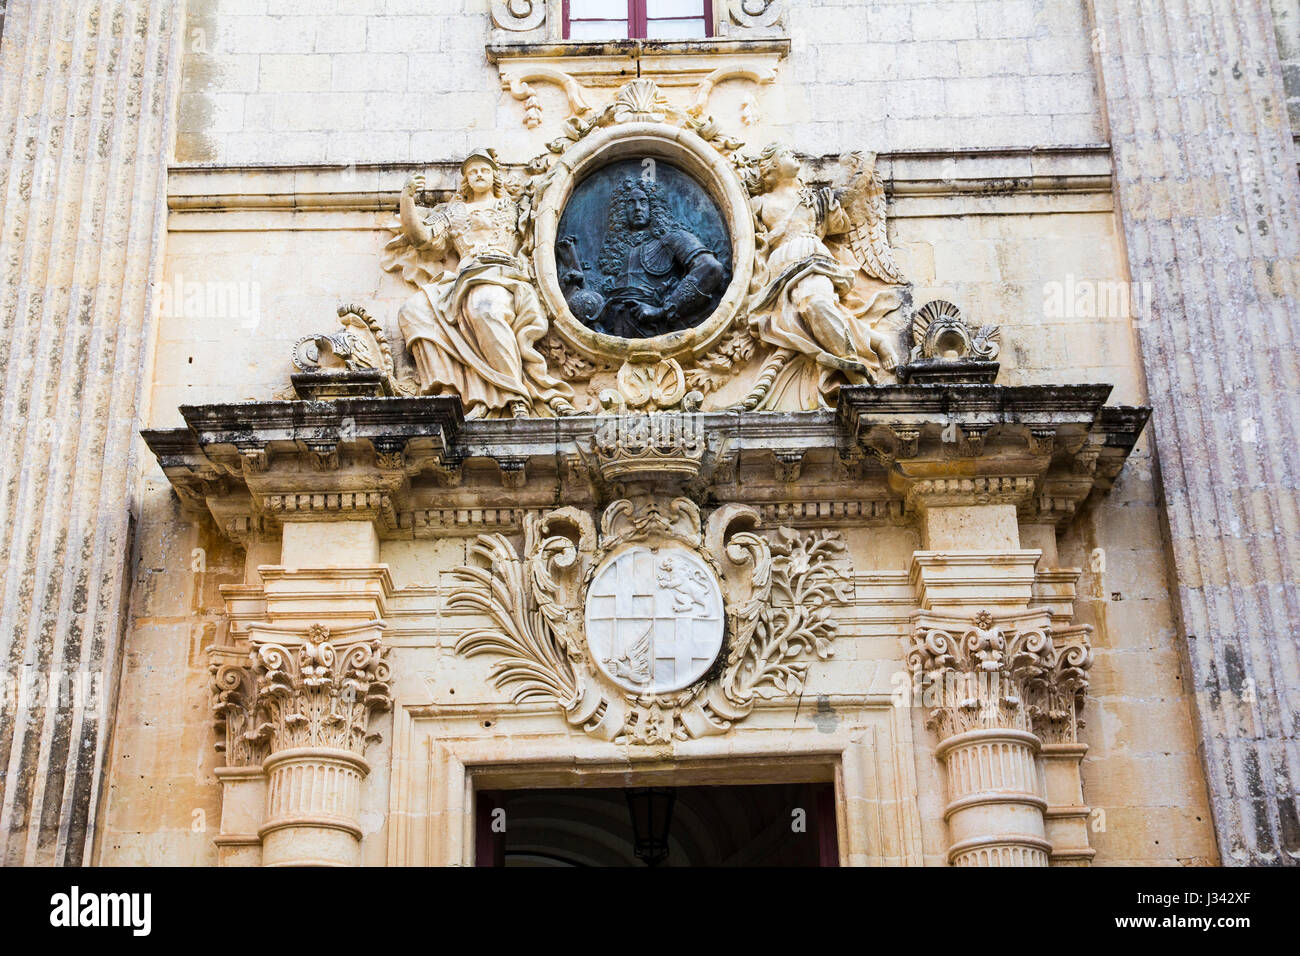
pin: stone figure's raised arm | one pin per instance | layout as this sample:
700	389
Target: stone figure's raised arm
419	231
831	211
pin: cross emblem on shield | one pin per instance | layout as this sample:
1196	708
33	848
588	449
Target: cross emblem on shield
654	619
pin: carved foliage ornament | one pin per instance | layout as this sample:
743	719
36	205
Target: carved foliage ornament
989	673
654	628
298	689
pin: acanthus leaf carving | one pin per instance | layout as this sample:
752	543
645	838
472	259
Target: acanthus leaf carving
807	581
294	688
778	593
316	691
534	662
242	736
998	673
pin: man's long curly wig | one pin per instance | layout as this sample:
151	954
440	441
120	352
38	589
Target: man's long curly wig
619	232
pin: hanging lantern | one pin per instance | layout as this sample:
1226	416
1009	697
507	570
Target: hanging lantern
652	816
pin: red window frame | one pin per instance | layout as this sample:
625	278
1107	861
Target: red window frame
638	22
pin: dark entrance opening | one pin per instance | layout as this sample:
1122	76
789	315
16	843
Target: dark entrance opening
771	825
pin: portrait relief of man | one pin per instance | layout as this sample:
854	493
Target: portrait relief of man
654	275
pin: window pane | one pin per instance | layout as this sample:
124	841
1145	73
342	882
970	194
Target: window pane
674	8
675	29
599	9
598	30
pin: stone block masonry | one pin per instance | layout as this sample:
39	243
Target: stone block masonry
87	103
1205	168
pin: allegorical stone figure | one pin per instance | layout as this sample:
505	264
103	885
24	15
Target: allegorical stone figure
814	297
472	328
657	276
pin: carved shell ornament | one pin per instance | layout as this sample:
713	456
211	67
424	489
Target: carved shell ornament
940	332
656	628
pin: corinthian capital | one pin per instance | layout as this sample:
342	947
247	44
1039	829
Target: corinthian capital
319	687
240	736
1004	672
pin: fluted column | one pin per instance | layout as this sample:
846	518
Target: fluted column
294	693
86	119
1205	178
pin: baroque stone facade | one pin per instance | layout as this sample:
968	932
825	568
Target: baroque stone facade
479	410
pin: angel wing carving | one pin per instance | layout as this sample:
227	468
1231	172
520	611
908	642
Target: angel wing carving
634	665
863	201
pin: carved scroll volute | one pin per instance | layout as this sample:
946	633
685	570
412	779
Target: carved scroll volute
745	558
518	16
240	735
560	545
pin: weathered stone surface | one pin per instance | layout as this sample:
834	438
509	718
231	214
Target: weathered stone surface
1205	177
1010	500
87	108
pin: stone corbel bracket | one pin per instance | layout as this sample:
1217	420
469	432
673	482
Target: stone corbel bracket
1043	448
254	464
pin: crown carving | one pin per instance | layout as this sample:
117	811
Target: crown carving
648	447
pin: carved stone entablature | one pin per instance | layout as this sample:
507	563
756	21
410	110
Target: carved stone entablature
315	461
1005	672
949	492
414	468
658	627
1020	444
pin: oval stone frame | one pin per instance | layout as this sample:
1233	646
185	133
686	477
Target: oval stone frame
689	153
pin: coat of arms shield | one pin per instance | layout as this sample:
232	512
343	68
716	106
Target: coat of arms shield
655	619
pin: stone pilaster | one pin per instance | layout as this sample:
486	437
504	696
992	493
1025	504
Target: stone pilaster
86	116
998	691
1205	178
295	690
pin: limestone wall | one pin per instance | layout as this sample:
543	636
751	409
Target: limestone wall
276	81
272	253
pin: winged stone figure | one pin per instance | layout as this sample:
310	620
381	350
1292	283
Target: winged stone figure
826	277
